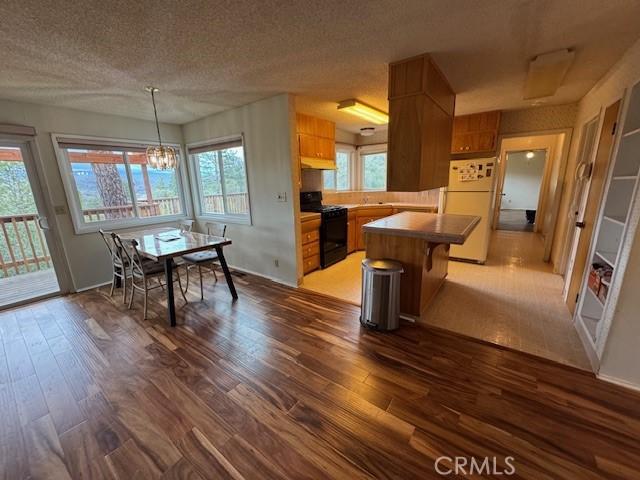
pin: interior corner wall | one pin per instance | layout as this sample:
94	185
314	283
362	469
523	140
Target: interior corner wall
271	239
86	257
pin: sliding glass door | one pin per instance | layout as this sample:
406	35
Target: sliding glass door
26	266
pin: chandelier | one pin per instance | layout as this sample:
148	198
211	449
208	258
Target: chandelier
159	156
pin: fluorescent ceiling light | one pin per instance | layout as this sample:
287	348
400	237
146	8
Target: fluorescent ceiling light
364	111
546	73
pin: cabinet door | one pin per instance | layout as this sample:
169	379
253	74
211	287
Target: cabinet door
325	129
485	142
327	148
360	221
461	143
351	236
308	145
305	124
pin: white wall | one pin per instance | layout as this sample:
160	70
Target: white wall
267	127
85	254
522	180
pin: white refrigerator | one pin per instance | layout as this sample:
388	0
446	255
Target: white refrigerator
471	191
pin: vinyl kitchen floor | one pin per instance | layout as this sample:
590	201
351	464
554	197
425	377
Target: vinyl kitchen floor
514	300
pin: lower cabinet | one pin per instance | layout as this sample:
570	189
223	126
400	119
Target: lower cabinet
351	233
310	244
364	216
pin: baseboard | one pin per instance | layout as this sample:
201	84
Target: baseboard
587	346
262	275
619	382
98	285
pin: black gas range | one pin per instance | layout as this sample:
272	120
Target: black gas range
333	227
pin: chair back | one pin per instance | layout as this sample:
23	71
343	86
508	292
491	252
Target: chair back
186	225
216	229
108	241
129	253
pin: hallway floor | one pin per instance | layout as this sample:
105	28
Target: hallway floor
514	300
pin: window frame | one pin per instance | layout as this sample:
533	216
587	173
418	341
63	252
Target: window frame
196	182
351	151
73	196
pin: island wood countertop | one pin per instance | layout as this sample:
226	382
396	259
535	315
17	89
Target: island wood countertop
432	227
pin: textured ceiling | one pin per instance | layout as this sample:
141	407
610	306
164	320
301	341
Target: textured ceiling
210	56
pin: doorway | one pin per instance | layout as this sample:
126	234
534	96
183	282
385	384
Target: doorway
520	193
26	267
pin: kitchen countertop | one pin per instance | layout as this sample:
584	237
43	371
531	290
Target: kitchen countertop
432	227
308	216
352	206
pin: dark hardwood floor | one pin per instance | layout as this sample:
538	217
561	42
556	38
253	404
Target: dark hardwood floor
285	384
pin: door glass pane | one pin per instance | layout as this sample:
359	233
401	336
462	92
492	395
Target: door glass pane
156	190
374	167
235	181
101	181
342	171
210	182
26	269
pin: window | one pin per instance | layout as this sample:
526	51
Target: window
340	178
374	171
221	179
109	183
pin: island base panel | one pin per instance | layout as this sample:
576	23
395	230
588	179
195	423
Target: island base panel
425	268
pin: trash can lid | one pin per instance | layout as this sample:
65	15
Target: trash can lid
384	264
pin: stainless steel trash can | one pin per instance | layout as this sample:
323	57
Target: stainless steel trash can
380	294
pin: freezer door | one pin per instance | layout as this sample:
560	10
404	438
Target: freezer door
472	203
472	175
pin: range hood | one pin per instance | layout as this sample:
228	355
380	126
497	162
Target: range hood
317	163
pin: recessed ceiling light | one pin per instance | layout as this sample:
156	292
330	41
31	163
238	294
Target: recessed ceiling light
530	154
362	110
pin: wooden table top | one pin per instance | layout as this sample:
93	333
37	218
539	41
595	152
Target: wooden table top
152	246
432	227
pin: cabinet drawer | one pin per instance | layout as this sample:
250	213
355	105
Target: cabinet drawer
310	264
311	249
312	236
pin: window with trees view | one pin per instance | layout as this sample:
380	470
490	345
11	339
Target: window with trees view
340	178
112	184
374	171
221	179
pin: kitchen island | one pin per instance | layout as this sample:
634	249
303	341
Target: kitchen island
420	241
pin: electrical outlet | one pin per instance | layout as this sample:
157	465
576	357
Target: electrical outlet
282	196
276	262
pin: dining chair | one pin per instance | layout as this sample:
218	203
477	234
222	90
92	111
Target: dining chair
207	258
118	264
185	225
143	270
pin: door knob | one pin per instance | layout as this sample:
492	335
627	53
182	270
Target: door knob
580	224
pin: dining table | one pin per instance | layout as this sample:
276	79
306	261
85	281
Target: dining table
166	243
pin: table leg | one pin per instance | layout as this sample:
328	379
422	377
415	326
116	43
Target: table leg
171	307
227	273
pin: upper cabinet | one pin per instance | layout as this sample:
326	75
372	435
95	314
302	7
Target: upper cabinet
316	142
421	106
477	133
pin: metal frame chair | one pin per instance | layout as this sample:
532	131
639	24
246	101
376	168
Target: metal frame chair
143	270
118	264
207	258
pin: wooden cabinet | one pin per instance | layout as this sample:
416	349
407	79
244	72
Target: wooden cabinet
477	133
351	232
310	228
421	106
364	216
316	142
